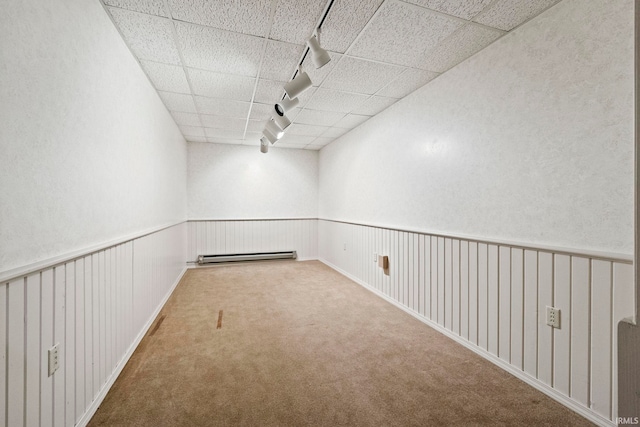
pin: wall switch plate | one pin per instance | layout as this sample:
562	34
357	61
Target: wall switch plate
54	359
375	257
553	317
344	246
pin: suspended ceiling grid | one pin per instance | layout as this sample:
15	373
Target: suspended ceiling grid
219	65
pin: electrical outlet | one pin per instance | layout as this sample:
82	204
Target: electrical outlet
375	257
553	317
54	359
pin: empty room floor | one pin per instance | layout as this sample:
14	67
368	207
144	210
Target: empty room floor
296	343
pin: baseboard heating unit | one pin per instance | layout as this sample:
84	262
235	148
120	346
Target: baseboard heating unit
211	259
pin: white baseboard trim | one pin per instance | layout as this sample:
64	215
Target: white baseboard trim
90	412
544	388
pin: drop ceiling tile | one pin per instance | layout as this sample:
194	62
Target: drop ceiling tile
361	76
316	117
192	131
322	141
252	138
186	119
401	33
196	139
150	7
256	126
317	75
295	20
459	46
223	86
333	100
178	102
306	96
230	141
407	82
290	146
217	122
218	50
280	60
166	77
333	133
261	111
351	120
269	91
241	16
149	37
465	9
223	133
309	130
345	21
290	138
374	105
224	108
508	14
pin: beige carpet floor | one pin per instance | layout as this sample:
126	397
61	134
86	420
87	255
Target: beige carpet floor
301	345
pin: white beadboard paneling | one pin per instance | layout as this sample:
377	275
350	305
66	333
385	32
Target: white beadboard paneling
493	297
47	341
448	285
474	298
70	344
483	295
32	350
245	236
531	313
580	331
504	303
59	313
545	334
562	336
15	353
517	308
601	337
87	307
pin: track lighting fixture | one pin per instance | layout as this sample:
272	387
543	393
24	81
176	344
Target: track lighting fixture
319	56
285	105
270	136
283	121
298	85
274	129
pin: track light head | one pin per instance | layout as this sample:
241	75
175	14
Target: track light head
273	128
264	145
319	56
298	85
283	121
269	135
285	105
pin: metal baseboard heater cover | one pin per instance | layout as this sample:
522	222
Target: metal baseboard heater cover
211	259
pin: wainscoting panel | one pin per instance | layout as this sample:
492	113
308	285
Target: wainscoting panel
492	298
96	307
212	237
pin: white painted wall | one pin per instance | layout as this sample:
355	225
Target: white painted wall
240	182
88	152
530	140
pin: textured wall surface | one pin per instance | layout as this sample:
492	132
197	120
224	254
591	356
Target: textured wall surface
240	182
530	140
88	152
